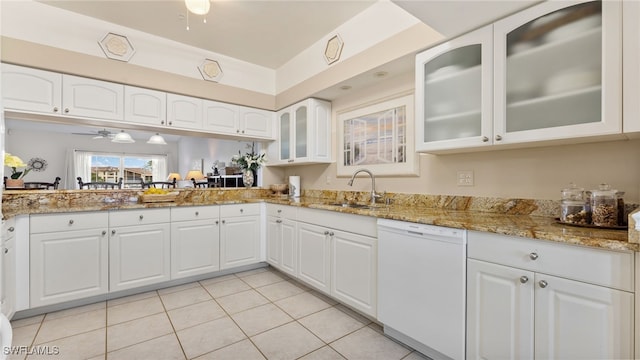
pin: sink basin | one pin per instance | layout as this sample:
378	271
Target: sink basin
353	206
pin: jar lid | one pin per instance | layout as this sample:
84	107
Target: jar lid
604	190
573	192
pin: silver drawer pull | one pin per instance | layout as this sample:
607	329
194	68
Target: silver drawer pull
223	221
113	232
543	284
326	232
279	211
141	217
66	110
104	232
217	222
533	256
485	139
6	251
197	213
71	222
524	279
11	229
331	233
279	221
55	109
241	211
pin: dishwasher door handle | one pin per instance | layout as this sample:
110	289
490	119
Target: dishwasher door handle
415	233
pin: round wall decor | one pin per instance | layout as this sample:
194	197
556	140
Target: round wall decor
37	164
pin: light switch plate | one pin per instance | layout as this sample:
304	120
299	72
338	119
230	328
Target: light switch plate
465	178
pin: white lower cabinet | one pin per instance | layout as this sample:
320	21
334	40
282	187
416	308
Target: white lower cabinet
239	235
8	276
337	254
139	248
195	241
527	313
68	257
353	271
281	238
314	254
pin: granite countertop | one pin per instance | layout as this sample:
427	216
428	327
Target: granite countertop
523	218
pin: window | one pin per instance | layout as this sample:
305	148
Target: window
109	167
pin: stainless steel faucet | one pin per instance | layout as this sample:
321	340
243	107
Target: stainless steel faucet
374	195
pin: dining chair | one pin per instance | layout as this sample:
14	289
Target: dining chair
99	184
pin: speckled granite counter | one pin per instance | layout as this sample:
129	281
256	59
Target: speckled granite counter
518	217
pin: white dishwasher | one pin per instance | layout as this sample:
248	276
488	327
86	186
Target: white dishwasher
422	286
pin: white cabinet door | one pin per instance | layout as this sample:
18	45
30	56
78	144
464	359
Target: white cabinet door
8	298
68	265
575	320
274	241
354	271
221	118
288	247
195	247
314	256
139	255
184	112
145	106
454	82
256	123
500	309
558	83
630	67
82	97
31	90
239	241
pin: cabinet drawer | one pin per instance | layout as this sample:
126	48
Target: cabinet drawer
239	210
139	217
281	211
195	213
46	223
602	267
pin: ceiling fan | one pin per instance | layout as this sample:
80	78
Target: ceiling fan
100	134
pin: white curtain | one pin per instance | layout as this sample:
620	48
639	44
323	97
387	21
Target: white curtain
81	167
159	168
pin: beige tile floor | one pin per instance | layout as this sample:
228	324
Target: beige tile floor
255	314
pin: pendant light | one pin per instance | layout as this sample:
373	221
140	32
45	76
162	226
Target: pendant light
198	7
123	137
156	139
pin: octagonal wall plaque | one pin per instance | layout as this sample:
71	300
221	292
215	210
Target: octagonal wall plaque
117	47
334	49
210	70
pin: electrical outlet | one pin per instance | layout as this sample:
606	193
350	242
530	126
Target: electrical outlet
465	178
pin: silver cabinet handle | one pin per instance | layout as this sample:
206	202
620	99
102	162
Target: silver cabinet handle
279	221
326	232
113	232
66	110
243	131
279	211
71	222
55	109
543	284
331	233
238	131
6	251
217	222
170	122
290	160
224	222
498	137
197	213
11	229
162	122
241	211
485	139
533	256
141	217
524	279
104	232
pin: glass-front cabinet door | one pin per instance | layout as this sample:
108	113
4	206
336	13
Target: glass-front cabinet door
454	93
284	140
558	72
301	136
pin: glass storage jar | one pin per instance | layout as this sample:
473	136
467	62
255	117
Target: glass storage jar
575	209
604	206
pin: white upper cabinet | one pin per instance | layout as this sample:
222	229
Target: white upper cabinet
238	120
184	112
31	90
454	81
552	73
304	134
558	72
145	106
83	97
38	91
631	67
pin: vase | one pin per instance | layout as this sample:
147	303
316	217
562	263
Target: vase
247	178
14	183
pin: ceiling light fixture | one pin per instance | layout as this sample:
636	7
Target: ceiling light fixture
123	137
198	7
156	139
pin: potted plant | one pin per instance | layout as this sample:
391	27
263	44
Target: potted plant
249	163
15	180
